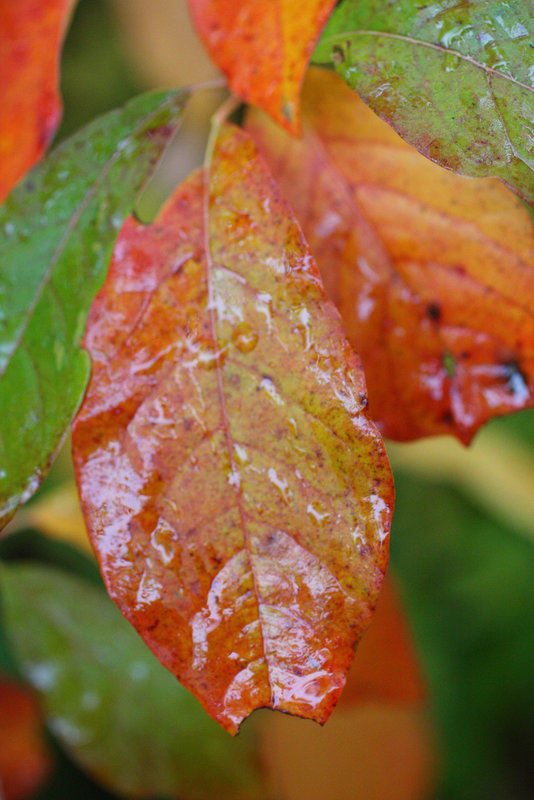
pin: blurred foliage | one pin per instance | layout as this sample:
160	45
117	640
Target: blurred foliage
95	73
468	582
109	701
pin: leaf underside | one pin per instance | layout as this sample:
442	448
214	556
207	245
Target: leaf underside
236	493
58	229
30	40
263	48
432	272
117	712
456	80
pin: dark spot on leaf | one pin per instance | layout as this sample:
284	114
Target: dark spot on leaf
515	380
338	56
447	418
433	310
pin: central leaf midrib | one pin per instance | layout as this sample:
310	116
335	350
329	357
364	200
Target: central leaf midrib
431	45
222	401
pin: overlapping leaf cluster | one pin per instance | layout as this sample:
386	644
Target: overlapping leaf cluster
233	478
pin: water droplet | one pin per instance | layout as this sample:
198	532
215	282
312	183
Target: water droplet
516	382
234	479
450	36
304	327
292	425
319	515
450	62
282	485
494	58
268	386
162	540
207	358
241	455
244	337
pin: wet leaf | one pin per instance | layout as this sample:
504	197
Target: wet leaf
236	493
433	273
118	712
263	48
58	228
25	762
31	33
455	79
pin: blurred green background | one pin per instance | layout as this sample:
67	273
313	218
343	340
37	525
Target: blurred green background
462	544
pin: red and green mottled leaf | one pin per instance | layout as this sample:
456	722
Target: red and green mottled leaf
117	712
433	273
58	228
455	79
263	47
25	761
236	493
31	32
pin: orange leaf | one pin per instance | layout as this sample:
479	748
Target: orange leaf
371	752
237	495
31	32
433	273
385	668
24	759
263	47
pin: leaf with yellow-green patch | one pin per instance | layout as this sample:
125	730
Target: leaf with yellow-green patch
235	490
456	80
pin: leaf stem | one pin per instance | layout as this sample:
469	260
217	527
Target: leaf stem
217	120
207	86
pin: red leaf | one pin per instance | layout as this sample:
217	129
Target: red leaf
385	668
24	759
31	32
237	495
263	47
433	273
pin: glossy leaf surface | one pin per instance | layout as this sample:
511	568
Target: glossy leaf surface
117	711
237	495
31	32
263	48
25	762
433	273
455	79
58	229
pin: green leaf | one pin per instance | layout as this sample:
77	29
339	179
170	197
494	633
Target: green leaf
456	80
57	233
119	713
